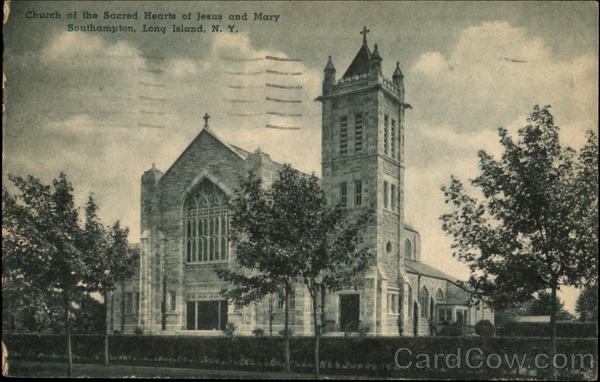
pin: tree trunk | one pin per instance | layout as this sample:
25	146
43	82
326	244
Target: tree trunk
106	356
69	351
163	305
271	316
553	332
322	311
122	308
316	326
287	332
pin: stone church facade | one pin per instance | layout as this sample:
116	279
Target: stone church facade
185	225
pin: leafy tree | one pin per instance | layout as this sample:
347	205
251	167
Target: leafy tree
51	262
587	304
88	316
542	306
40	255
288	234
328	241
41	317
109	259
506	313
264	267
536	227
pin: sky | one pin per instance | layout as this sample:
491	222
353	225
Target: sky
103	107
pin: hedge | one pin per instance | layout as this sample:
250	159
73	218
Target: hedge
342	355
571	329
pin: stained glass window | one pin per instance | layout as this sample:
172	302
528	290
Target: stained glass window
207	225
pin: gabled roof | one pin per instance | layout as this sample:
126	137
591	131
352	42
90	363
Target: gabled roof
361	63
242	154
427	270
240	151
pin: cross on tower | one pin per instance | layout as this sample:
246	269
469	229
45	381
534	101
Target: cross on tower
206	117
364	33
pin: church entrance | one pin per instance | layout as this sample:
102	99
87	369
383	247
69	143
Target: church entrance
206	315
349	312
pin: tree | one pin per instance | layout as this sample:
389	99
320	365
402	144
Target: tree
587	304
263	265
109	259
542	306
40	255
506	313
328	241
536	227
288	234
88	316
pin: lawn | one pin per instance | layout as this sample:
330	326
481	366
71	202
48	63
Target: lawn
18	368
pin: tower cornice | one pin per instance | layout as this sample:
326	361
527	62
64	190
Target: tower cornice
377	86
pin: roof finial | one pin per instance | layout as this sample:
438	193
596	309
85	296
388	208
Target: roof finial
206	117
364	33
153	166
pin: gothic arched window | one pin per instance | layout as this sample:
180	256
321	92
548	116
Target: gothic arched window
439	296
424	302
408	252
206	224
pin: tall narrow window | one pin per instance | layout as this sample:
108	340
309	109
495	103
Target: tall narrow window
393	138
408	252
386	196
344	135
393	197
128	302
358	193
343	194
172	300
424	302
385	134
207	221
358	132
136	301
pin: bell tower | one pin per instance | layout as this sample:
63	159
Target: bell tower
363	164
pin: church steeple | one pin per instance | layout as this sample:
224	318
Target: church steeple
361	63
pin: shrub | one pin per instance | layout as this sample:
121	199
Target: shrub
364	355
350	327
282	332
258	332
363	330
572	329
229	329
139	331
451	330
484	328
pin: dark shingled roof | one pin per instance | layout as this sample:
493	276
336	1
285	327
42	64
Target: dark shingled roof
360	64
426	270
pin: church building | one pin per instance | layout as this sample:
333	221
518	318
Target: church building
185	228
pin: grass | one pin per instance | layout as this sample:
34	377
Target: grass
19	368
